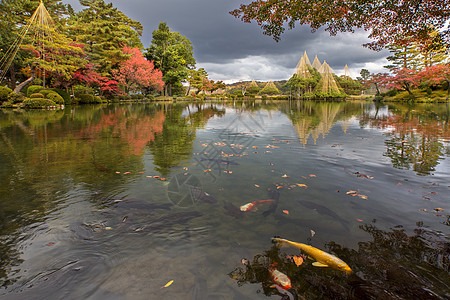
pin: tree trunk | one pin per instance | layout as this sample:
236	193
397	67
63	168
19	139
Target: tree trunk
26	82
12	73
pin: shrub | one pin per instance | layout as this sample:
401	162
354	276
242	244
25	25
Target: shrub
15	97
38	103
81	89
34	89
45	93
98	99
392	93
65	95
36	95
55	97
4	92
86	99
7	104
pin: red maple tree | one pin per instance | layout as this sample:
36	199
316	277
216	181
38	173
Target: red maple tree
137	73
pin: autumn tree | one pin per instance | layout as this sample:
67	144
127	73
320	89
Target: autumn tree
172	53
105	30
15	15
405	79
137	73
387	21
435	75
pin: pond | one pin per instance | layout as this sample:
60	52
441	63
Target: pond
143	201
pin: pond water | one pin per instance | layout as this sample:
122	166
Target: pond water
115	202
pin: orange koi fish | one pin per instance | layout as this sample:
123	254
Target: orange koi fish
252	206
279	278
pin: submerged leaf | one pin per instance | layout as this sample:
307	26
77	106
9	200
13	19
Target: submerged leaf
298	260
167	284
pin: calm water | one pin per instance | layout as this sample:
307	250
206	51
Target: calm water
113	202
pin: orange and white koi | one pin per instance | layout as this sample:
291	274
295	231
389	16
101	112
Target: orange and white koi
279	278
252	206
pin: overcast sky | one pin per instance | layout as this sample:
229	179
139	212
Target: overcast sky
231	50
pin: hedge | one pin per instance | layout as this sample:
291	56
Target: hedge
38	103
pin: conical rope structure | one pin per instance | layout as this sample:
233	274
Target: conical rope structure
316	63
327	84
41	26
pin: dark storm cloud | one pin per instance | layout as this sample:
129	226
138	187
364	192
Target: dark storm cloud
231	50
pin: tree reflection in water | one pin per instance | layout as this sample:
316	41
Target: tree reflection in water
393	265
417	135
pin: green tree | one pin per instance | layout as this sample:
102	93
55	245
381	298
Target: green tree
299	86
172	53
350	86
403	55
105	31
15	16
365	74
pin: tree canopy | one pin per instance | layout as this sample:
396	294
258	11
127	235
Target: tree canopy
388	21
172	54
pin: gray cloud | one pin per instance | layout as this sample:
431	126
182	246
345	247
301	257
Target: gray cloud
231	50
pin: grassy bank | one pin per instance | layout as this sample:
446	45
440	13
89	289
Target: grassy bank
418	95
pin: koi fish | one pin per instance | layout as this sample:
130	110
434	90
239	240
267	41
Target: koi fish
289	294
252	206
280	279
323	259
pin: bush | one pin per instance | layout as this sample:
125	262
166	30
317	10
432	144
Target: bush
65	95
55	97
15	97
98	99
4	92
81	89
45	93
86	99
392	93
34	89
36	95
38	103
7	104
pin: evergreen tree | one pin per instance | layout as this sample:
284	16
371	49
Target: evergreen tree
403	55
106	31
172	53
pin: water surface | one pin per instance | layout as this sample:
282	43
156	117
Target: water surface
115	201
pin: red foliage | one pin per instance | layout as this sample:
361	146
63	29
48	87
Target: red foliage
388	21
434	74
137	72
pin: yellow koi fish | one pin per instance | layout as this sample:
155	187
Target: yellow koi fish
254	205
323	259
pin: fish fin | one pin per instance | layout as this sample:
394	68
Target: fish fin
318	264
